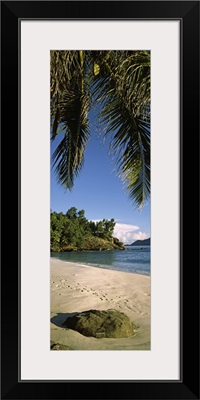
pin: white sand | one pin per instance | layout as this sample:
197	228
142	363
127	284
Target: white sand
76	287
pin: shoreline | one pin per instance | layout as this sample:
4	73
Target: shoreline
81	287
99	267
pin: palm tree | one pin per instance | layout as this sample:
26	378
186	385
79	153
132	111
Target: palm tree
118	83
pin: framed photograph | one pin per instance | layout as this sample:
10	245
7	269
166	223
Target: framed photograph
124	324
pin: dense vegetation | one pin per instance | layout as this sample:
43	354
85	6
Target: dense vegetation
72	231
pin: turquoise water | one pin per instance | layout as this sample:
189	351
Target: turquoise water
134	259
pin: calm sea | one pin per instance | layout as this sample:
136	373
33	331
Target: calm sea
134	259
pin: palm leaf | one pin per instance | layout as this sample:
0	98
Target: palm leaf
125	116
70	103
119	83
69	155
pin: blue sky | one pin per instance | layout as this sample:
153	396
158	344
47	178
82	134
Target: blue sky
101	194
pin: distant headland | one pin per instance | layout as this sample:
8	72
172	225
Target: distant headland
145	242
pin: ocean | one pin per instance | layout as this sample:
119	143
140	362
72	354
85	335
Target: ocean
135	259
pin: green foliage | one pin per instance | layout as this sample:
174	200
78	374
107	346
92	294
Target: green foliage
72	231
103	229
118	82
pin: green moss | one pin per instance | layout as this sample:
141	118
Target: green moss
101	324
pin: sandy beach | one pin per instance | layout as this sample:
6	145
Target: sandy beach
76	288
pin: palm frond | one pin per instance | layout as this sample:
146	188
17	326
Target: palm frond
64	67
69	155
123	90
119	83
134	165
70	104
130	145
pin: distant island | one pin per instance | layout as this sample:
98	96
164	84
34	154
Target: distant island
145	242
73	232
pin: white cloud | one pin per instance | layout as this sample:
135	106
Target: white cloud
141	236
126	233
121	228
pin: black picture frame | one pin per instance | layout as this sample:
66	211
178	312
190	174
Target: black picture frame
188	13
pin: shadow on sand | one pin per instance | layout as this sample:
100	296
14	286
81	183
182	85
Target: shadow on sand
60	318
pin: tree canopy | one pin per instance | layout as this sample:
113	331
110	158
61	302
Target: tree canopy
72	231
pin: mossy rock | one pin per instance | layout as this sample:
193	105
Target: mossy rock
59	346
101	324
